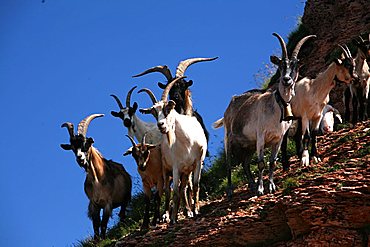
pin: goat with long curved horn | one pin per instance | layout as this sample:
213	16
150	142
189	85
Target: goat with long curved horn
183	65
84	124
161	68
107	184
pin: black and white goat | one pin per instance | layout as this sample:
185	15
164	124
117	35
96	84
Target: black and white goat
136	127
183	149
107	184
180	92
254	121
312	95
358	90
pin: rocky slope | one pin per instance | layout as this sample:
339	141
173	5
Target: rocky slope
326	204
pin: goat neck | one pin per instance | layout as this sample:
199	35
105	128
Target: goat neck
325	82
95	167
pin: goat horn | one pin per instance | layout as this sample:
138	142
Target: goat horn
84	124
128	97
150	93
143	140
349	52
70	128
161	68
283	46
118	101
361	39
183	65
168	88
299	45
345	51
132	140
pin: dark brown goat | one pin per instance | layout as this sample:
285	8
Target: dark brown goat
107	184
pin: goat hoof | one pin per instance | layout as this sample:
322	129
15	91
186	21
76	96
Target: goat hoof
260	191
272	188
190	214
305	160
316	160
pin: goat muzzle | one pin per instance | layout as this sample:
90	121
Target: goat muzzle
127	122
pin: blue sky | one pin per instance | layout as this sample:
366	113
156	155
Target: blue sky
60	61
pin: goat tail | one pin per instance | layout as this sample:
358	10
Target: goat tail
218	124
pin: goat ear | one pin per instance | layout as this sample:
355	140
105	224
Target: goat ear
275	60
150	146
161	85
89	140
114	113
338	61
134	107
171	104
129	151
66	146
188	83
145	111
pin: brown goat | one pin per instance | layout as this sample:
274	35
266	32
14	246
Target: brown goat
148	158
107	184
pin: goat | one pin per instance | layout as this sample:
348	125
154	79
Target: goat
329	115
180	92
358	90
311	97
135	126
256	120
148	158
183	149
107	184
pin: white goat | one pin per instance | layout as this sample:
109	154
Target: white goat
311	97
183	149
255	121
135	126
107	184
358	90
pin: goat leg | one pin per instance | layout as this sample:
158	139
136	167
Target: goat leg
157	205
314	146
305	159
106	214
229	190
261	168
145	224
247	170
354	109
347	97
94	215
284	153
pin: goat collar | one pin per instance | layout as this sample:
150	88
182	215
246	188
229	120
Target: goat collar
285	108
